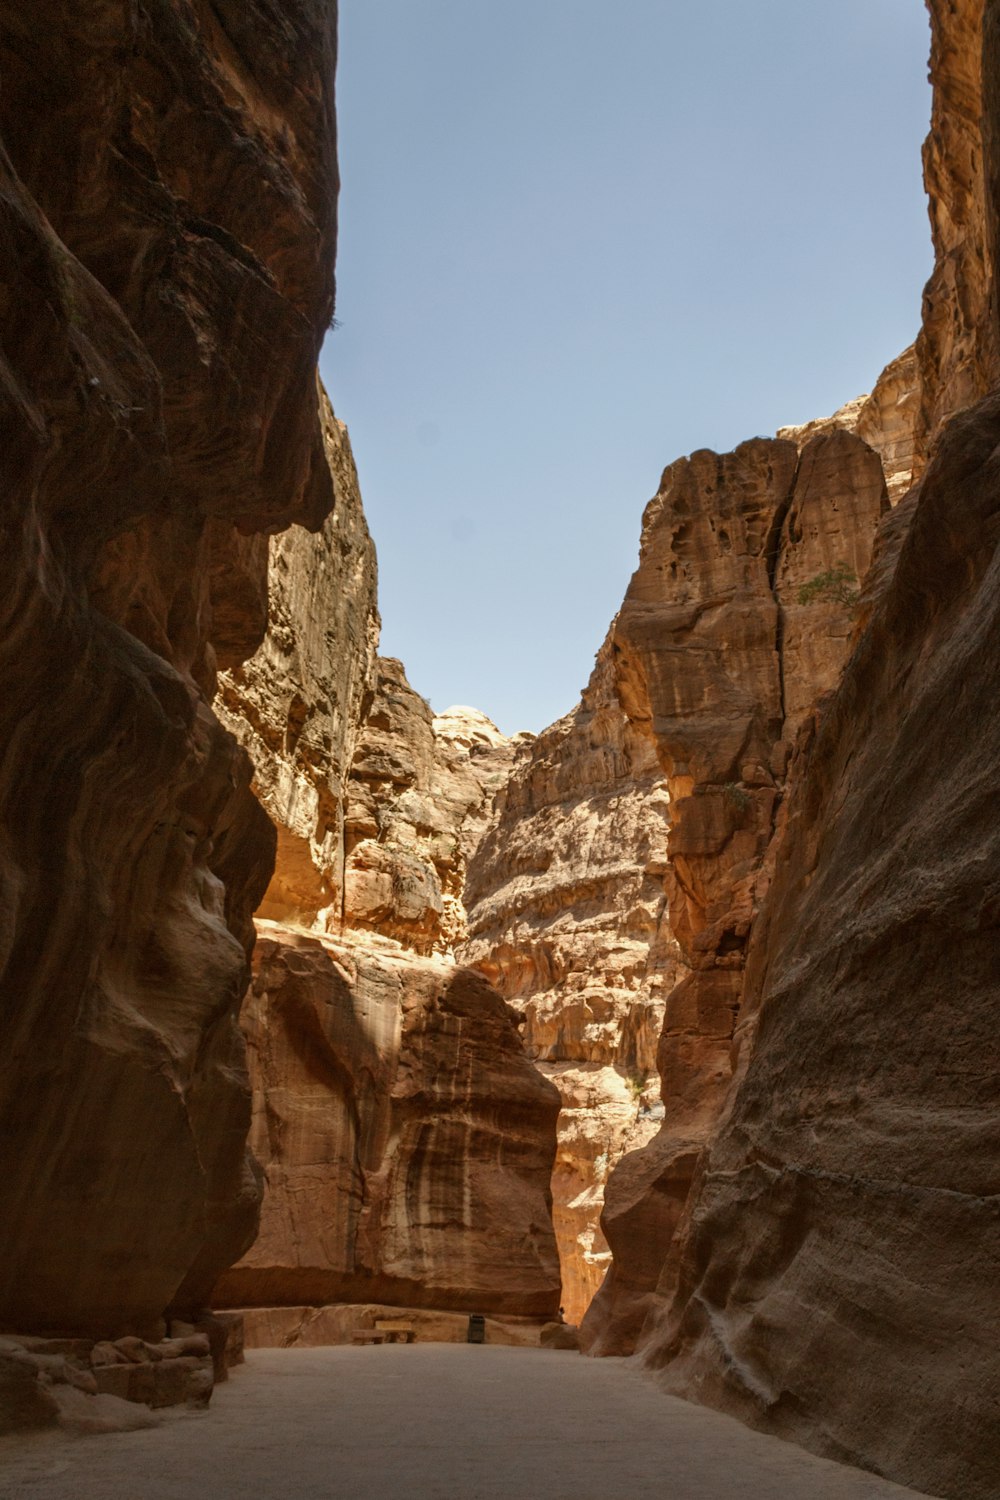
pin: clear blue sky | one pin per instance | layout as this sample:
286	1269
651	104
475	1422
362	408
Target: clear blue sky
576	242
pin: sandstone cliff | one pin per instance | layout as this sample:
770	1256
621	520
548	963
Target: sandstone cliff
566	917
839	1257
737	618
166	252
828	1266
298	705
406	1140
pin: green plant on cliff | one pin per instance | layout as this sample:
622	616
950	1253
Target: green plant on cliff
837	585
735	795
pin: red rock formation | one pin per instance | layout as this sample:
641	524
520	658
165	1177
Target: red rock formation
166	245
957	348
566	917
737	619
840	1253
298	705
406	1140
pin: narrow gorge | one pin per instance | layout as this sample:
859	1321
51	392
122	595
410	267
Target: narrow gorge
669	1032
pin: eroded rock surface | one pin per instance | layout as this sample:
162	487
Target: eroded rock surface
298	705
406	1139
167	232
737	619
566	917
839	1257
419	790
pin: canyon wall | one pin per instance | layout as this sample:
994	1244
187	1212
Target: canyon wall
566	917
167	233
811	1242
405	1139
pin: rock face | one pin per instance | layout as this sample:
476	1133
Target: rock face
406	1140
166	248
886	420
566	917
957	348
838	1271
298	705
738	618
828	1267
419	790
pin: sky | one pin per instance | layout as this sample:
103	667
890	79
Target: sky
577	242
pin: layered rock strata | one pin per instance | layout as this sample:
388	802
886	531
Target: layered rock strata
406	1140
738	618
167	230
567	918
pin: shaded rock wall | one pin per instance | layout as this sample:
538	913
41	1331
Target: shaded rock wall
840	1253
298	705
737	619
833	1268
567	918
406	1139
167	232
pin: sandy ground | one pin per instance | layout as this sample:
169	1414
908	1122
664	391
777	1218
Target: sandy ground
432	1422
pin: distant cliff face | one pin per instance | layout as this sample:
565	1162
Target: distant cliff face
567	918
167	235
405	1139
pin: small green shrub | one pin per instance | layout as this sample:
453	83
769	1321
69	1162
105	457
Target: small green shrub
735	795
836	586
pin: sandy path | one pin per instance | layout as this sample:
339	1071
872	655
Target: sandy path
433	1422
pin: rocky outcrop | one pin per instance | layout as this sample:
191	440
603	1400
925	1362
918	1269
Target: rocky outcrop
737	619
958	357
166	248
837	1276
298	705
886	420
406	1140
418	794
566	917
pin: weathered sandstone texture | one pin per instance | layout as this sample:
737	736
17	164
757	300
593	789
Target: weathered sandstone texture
840	1254
958	353
167	232
419	790
566	917
406	1139
886	420
298	705
737	619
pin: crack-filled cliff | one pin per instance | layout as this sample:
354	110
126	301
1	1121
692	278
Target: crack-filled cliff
167	228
